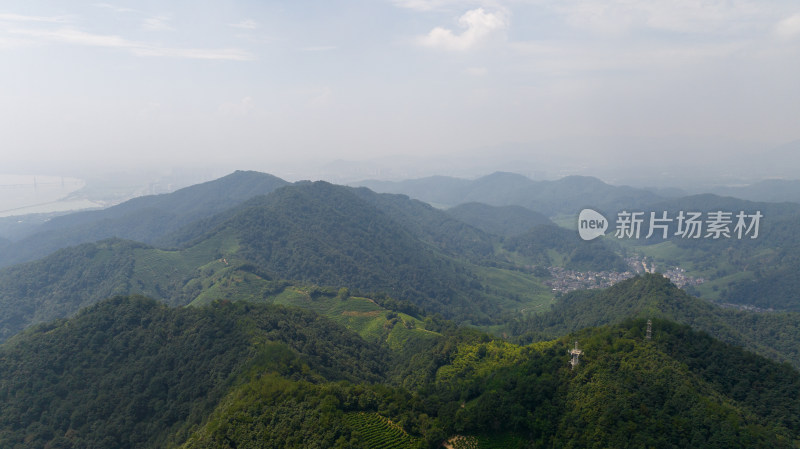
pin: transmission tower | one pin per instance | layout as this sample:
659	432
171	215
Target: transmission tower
649	329
576	354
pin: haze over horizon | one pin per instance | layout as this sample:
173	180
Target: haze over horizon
404	88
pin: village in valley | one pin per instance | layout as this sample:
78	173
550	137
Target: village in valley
563	280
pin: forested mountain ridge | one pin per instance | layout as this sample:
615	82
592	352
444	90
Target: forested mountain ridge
541	244
303	233
322	233
317	233
564	196
147	219
773	335
446	233
506	221
746	271
131	372
58	285
750	272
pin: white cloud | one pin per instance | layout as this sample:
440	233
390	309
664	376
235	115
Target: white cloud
245	24
478	25
24	18
77	37
789	27
157	23
429	5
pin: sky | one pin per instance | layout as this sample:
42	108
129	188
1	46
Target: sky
268	84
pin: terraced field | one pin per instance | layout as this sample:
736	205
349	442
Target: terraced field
485	442
380	433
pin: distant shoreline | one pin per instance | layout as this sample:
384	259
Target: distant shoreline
27	194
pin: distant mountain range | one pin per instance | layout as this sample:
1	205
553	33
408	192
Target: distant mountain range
566	196
146	219
468	263
772	190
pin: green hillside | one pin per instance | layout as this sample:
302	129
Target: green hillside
62	283
231	263
325	234
149	219
550	245
771	280
773	335
433	226
380	323
59	285
316	234
505	221
751	272
131	372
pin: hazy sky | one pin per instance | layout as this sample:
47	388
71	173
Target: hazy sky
252	83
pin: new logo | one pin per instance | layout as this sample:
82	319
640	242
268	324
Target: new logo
591	224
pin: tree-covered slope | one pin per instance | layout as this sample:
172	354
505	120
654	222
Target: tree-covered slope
773	263
504	221
313	233
64	282
133	373
433	226
59	285
774	335
147	219
551	245
325	234
130	372
680	389
748	271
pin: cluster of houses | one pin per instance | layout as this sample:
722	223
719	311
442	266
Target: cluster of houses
563	280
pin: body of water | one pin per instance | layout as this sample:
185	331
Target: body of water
26	194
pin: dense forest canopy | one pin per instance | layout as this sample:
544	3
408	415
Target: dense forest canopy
131	372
